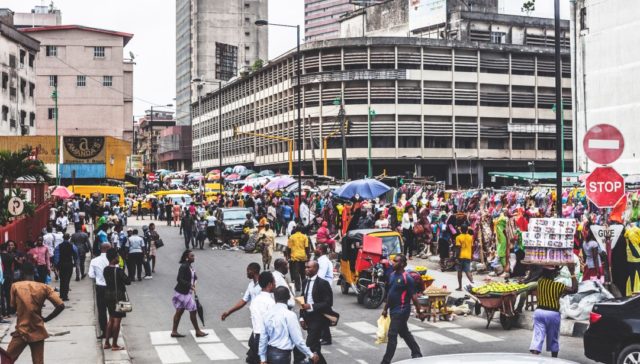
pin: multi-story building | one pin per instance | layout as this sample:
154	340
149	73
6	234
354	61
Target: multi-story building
443	107
215	41
18	78
322	18
40	16
148	131
94	81
606	75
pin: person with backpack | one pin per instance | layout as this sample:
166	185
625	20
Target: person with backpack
398	305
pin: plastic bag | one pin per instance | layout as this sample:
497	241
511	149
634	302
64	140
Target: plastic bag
383	329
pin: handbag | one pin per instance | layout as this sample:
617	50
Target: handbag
125	305
159	243
333	318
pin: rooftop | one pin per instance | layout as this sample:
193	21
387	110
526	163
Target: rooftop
126	36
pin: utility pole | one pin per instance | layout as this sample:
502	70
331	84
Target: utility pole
313	148
55	100
371	114
344	141
220	181
559	136
152	157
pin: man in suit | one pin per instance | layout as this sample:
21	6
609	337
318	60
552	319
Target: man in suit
318	299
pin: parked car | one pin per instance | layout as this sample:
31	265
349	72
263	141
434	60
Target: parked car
230	228
613	335
486	358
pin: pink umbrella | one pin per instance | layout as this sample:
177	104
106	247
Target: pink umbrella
232	177
279	182
62	192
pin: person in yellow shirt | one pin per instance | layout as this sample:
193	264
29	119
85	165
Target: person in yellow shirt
297	254
464	243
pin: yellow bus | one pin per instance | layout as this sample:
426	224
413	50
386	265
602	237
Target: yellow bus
113	194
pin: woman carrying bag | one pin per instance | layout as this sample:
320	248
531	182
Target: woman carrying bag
183	297
116	299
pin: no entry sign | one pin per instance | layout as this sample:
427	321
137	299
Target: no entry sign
605	187
603	144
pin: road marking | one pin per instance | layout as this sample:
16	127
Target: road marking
442	324
211	338
413	327
172	354
218	351
604	144
401	344
241	333
436	338
337	332
355	344
360	361
343	352
162	338
363	327
476	335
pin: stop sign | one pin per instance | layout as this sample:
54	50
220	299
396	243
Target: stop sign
605	187
603	144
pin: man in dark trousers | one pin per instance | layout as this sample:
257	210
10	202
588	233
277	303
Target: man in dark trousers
318	299
81	241
65	257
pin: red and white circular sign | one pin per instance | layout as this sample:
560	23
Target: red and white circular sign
604	187
603	144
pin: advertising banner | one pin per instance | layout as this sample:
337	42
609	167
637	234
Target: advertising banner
83	149
425	13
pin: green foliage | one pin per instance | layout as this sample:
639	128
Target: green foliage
17	165
5	217
257	65
528	6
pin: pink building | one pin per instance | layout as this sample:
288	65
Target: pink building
95	83
321	18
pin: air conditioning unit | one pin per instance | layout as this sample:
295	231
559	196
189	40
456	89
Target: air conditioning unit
24	129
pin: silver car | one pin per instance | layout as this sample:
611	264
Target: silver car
486	358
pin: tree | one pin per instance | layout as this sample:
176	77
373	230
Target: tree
17	165
528	6
257	65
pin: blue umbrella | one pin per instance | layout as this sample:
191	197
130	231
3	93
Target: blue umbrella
365	188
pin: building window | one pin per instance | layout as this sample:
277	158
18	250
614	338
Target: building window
32	119
32	88
107	81
583	19
226	61
246	34
32	59
5	113
53	80
5	80
81	81
23	55
12	61
495	143
51	113
497	37
246	5
98	52
51	51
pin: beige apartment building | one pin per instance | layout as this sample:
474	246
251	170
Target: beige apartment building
95	83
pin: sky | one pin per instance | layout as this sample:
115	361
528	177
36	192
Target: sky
153	24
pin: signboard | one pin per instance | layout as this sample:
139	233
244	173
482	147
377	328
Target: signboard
549	241
426	13
604	187
136	162
603	144
601	233
15	206
84	149
531	128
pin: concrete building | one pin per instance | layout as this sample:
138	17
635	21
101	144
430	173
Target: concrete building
442	106
18	78
148	130
321	18
40	16
95	83
215	41
174	148
607	74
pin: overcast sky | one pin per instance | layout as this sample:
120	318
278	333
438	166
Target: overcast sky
153	24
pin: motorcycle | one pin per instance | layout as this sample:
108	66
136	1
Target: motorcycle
371	285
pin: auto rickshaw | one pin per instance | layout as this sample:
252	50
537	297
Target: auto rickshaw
362	259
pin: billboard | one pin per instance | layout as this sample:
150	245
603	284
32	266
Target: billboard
84	149
426	13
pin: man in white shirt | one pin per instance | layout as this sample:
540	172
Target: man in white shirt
279	275
96	269
62	222
48	240
325	271
281	332
261	304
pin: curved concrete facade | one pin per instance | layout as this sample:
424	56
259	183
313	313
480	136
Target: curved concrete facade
441	107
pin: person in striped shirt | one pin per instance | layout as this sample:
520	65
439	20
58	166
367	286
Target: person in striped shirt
546	318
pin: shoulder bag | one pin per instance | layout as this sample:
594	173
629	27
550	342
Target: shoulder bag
125	305
159	243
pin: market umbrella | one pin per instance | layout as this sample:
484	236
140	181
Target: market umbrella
199	309
227	171
214	171
239	169
232	177
247	172
365	188
267	173
252	176
62	192
279	182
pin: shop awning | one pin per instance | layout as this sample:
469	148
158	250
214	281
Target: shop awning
568	177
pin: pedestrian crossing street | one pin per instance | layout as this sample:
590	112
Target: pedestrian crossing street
349	339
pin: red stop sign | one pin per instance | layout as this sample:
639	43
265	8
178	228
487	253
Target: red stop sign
605	187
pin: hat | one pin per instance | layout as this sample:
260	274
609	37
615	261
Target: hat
129	230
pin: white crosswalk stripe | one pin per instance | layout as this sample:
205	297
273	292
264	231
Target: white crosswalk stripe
436	338
162	338
172	354
211	338
475	335
363	327
241	333
217	351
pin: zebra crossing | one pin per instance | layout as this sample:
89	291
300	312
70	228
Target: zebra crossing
350	339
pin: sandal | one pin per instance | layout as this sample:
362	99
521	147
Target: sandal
107	346
177	335
202	334
117	348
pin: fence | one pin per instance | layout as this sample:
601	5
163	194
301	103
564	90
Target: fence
27	228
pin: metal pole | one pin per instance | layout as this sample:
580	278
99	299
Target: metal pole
313	148
455	160
369	166
133	128
152	157
200	130
220	133
344	142
559	136
298	121
55	99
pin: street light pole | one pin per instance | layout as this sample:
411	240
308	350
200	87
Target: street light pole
151	155
55	99
559	111
220	181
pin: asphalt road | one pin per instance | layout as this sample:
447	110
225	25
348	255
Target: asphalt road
221	283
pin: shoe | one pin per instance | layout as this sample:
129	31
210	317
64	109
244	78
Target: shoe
77	279
325	342
84	275
148	277
65	299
